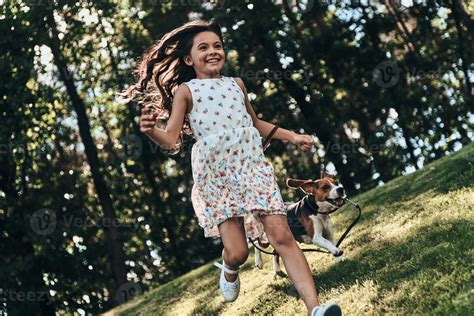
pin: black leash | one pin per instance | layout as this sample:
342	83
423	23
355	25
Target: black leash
341	239
352	224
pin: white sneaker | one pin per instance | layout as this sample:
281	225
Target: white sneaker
230	290
330	309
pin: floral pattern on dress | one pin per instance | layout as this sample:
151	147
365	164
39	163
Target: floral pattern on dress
232	177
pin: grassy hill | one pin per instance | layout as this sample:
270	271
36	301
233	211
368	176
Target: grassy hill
411	253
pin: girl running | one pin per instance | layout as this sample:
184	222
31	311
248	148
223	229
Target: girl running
235	193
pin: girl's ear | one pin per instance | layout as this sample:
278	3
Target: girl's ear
187	60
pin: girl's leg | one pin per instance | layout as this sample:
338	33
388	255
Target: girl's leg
235	250
281	238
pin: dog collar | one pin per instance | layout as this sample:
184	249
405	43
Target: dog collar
309	199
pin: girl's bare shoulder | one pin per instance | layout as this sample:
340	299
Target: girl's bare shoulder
183	91
241	84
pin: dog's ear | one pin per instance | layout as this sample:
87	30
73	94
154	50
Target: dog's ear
294	183
316	183
306	185
324	174
309	186
328	175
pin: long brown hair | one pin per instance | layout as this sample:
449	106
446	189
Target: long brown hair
162	69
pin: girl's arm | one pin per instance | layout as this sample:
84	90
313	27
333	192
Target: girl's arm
168	137
264	127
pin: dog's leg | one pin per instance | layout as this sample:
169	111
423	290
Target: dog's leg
258	257
307	239
318	238
330	236
276	263
329	232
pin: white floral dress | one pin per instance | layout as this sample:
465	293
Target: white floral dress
232	177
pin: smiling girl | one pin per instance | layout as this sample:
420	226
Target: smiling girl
235	194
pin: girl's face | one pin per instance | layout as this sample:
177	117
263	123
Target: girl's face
207	55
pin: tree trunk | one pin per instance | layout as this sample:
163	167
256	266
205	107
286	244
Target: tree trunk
460	48
168	222
403	116
111	232
401	27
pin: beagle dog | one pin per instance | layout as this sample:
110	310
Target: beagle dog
309	219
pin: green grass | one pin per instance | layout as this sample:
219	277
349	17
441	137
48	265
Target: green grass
411	253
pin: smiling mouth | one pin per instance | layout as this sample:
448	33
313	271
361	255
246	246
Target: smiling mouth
213	61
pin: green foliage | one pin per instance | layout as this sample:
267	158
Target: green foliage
305	69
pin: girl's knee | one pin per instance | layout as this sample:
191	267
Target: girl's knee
236	257
281	238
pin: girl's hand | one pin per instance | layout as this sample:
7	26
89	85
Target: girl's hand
147	120
304	141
